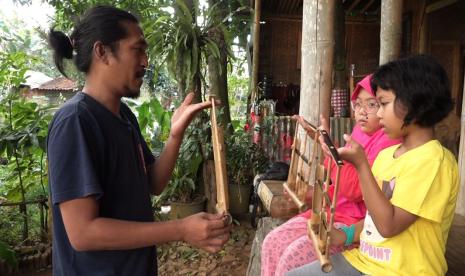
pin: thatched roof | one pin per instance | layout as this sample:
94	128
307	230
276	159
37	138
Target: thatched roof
60	84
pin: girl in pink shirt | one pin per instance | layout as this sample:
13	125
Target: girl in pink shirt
288	246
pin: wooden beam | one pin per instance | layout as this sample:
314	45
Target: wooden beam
281	17
367	6
439	5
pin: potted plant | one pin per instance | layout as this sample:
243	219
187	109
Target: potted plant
244	160
181	192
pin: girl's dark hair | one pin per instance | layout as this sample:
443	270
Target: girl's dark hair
421	87
100	23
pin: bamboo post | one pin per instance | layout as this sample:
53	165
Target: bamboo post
391	30
317	59
256	48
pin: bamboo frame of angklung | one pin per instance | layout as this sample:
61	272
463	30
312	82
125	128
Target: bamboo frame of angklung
221	175
318	227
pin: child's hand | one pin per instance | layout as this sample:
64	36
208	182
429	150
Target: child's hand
338	237
300	120
354	153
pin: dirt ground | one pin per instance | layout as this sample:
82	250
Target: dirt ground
179	258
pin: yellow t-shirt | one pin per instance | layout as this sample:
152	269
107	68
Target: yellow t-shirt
423	181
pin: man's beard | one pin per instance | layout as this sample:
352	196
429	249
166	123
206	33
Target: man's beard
131	93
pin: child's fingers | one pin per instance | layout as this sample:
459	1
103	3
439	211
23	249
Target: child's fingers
347	138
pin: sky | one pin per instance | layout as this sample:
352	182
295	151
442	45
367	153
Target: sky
37	14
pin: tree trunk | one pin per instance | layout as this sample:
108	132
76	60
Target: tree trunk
196	85
391	30
317	59
180	78
218	70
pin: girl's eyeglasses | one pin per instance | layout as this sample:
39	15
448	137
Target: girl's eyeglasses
370	107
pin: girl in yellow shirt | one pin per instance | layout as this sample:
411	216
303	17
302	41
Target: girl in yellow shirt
411	191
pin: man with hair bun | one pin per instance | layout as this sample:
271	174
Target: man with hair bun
101	171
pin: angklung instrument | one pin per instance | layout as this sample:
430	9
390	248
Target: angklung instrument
307	172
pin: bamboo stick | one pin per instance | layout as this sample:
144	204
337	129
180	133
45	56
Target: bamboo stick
221	177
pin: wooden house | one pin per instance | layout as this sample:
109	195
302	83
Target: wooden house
296	48
434	27
52	90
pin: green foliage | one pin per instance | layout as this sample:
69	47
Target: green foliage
154	122
182	185
23	131
67	11
8	255
238	87
244	158
15	38
182	43
161	86
13	67
23	128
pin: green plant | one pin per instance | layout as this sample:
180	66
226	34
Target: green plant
244	158
182	43
154	122
8	255
23	130
182	186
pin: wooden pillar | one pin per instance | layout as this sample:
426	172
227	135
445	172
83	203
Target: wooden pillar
460	209
317	59
256	48
419	41
423	40
391	30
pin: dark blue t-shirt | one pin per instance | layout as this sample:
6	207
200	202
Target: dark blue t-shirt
92	152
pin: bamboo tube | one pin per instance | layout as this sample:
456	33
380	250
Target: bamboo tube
221	177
